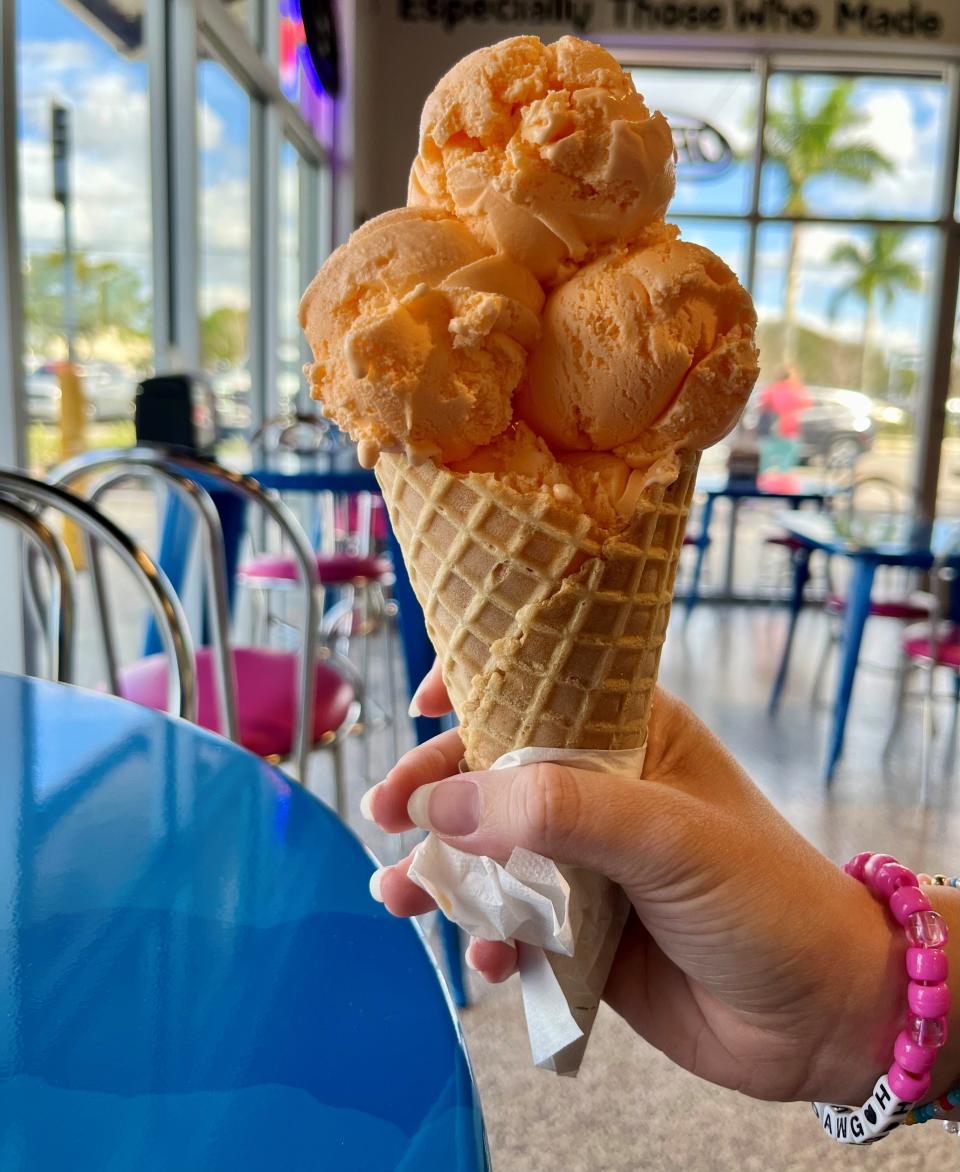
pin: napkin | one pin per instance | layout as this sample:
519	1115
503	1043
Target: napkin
566	921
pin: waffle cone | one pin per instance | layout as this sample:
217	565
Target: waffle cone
547	633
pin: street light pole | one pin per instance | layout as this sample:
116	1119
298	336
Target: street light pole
60	138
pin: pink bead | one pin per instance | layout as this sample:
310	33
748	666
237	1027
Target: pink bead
927	964
907	900
892	876
872	866
909	1087
928	1000
856	865
924	879
926	1031
925	929
911	1056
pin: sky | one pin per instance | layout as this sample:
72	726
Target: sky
61	58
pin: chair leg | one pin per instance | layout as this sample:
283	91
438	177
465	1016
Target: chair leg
339	780
904	671
928	725
389	618
823	661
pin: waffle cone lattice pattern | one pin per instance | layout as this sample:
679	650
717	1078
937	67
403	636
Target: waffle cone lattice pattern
546	634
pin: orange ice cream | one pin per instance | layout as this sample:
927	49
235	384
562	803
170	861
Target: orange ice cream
645	351
419	336
546	152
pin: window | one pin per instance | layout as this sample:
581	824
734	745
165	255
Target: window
223	135
289	355
853	146
62	61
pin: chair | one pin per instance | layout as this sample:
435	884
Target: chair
927	646
343	531
870	500
279	704
348	532
22	501
57	624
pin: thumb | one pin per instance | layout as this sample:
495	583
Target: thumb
616	825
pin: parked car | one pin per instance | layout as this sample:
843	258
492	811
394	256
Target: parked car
43	397
108	388
838	424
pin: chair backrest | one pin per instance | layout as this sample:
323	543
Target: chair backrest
100	533
190	479
58	623
297	434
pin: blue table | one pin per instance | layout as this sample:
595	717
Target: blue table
737	491
193	976
868	542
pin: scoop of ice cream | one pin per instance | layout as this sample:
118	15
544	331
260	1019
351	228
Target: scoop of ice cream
419	336
545	151
645	351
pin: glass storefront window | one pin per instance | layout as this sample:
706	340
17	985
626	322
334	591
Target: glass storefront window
948	488
223	131
289	358
713	114
843	318
853	146
62	60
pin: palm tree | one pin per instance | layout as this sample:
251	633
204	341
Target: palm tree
877	274
807	143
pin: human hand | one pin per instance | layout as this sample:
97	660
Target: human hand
751	960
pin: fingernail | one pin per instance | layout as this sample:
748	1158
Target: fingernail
375	880
414	710
448	807
366	803
468	959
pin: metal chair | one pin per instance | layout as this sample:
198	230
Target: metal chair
23	500
348	533
57	623
925	647
869	502
279	704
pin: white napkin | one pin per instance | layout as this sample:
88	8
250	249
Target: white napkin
567	921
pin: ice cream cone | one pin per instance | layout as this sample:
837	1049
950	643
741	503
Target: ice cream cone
547	634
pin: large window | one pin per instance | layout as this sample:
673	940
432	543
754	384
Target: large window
223	133
290	280
836	234
102	304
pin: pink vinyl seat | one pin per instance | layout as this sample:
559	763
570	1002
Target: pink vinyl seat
785	541
917	644
903	609
266	696
333	569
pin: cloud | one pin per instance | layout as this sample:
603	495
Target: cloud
110	171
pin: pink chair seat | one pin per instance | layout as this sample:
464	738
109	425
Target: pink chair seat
883	608
785	541
947	651
334	569
266	696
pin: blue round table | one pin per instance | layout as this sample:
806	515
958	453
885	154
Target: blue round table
193	975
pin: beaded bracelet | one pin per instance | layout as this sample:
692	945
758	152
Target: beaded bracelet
928	1001
937	1108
